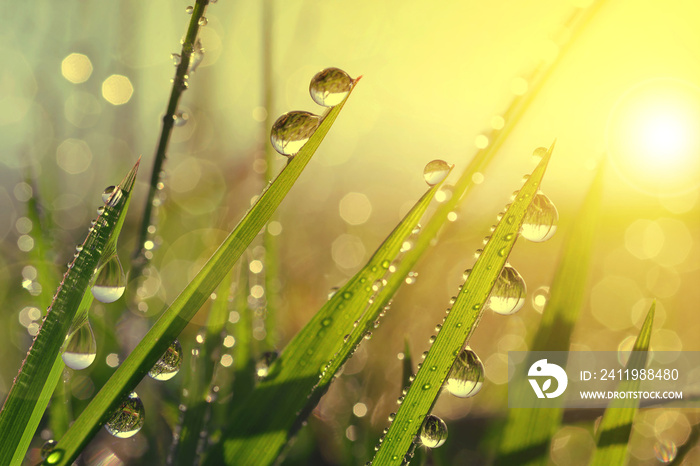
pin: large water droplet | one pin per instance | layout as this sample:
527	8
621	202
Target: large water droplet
508	294
467	375
435	171
196	56
292	130
330	86
80	349
434	432
169	364
127	419
110	281
262	367
111	196
541	219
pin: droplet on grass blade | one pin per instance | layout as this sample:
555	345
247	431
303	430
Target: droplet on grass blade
80	349
262	367
508	294
330	86
47	448
434	432
541	218
110	281
169	364
128	418
292	130
467	375
436	171
111	196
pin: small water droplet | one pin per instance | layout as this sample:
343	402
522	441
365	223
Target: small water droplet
347	294
292	130
540	220
169	364
333	291
47	448
539	298
110	281
128	418
665	451
466	273
189	10
111	196
330	86
176	58
539	153
180	119
100	210
434	432
262	367
508	294
80	348
392	416
203	21
196	58
426	386
326	322
436	171
467	375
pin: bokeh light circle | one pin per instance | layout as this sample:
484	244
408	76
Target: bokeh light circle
652	137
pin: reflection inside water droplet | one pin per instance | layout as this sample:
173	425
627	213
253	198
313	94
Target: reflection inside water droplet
330	86
262	367
665	451
169	364
508	294
541	218
434	432
111	196
539	298
128	418
467	375
80	348
110	281
435	171
292	130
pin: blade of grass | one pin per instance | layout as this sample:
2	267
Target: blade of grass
307	365
526	436
199	378
42	368
180	85
616	425
459	325
186	305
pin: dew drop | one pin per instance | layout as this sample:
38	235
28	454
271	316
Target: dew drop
180	119
128	418
434	432
110	281
111	196
508	294
467	375
262	367
189	10
100	210
436	171
203	21
292	130
332	292
540	220
80	348
326	322
169	364
466	273
392	416
176	58
330	86
539	153
195	58
47	448
665	451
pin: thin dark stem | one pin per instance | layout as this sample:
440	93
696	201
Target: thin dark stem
139	259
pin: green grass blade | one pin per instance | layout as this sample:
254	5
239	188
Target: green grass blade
616	425
41	369
198	380
307	365
526	436
186	305
457	328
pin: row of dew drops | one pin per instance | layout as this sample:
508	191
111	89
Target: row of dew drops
80	347
289	134
507	297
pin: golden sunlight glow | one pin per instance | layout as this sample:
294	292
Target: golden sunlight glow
653	138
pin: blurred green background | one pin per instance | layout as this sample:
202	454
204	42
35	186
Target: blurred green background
85	84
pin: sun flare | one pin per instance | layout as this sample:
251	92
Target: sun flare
653	138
